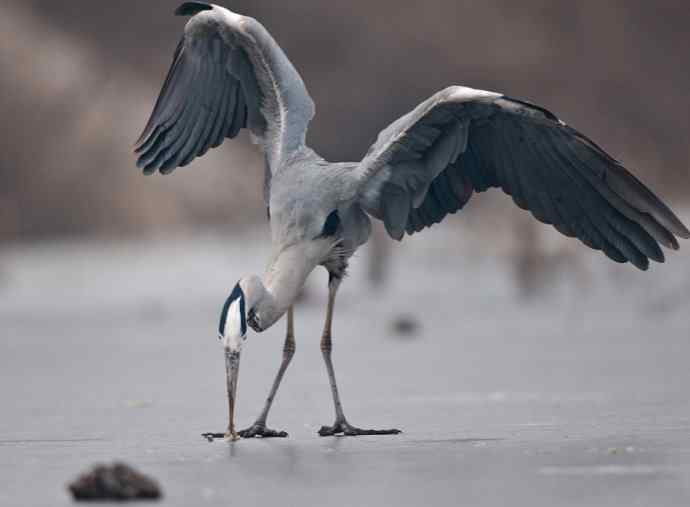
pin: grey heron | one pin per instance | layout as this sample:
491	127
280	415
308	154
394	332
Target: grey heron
229	74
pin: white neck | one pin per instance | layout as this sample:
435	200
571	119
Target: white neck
271	297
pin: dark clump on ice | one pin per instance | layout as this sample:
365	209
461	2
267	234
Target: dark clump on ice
405	326
114	482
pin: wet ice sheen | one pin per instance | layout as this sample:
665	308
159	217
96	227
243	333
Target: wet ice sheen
497	400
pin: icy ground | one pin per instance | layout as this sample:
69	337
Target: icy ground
576	397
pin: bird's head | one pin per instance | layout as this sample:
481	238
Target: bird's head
243	309
232	331
239	312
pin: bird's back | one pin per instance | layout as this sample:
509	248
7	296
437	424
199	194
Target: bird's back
308	190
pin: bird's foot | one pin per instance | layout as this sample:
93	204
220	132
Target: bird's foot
213	436
260	430
346	429
229	436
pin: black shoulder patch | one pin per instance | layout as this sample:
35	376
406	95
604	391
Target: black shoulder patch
192	8
545	112
236	293
330	227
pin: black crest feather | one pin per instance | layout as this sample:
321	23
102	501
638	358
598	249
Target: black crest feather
236	293
192	8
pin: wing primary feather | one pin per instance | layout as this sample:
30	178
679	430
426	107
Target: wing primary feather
653	228
549	194
569	205
233	104
541	186
175	102
186	153
413	224
576	192
437	208
585	195
633	232
478	173
444	190
221	80
214	91
173	94
642	241
239	114
480	140
156	159
457	183
166	85
507	167
424	217
216	137
629	188
218	118
632	190
189	122
525	171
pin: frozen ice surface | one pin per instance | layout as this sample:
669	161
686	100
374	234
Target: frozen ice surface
579	397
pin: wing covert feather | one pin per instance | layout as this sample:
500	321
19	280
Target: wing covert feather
466	140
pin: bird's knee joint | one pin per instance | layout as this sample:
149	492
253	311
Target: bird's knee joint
289	347
326	344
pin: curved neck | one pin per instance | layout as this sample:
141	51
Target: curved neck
267	309
271	297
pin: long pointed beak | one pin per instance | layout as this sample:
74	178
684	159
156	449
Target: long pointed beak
232	370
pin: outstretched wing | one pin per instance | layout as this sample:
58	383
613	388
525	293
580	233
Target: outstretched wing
428	163
227	74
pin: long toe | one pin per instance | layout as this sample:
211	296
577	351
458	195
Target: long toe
257	431
212	436
351	431
348	430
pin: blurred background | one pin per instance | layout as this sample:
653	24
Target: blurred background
517	329
78	80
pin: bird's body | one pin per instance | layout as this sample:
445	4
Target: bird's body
302	198
229	74
314	221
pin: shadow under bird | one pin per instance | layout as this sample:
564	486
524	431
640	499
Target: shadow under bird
229	74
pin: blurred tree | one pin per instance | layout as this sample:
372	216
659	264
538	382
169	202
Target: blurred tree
78	78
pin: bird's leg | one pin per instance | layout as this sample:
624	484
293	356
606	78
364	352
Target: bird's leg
259	429
341	425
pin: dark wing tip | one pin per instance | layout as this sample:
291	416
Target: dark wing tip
192	8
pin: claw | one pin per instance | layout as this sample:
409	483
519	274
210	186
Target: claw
351	431
258	430
212	436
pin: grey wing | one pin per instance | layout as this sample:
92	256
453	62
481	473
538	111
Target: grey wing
223	79
201	103
427	165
